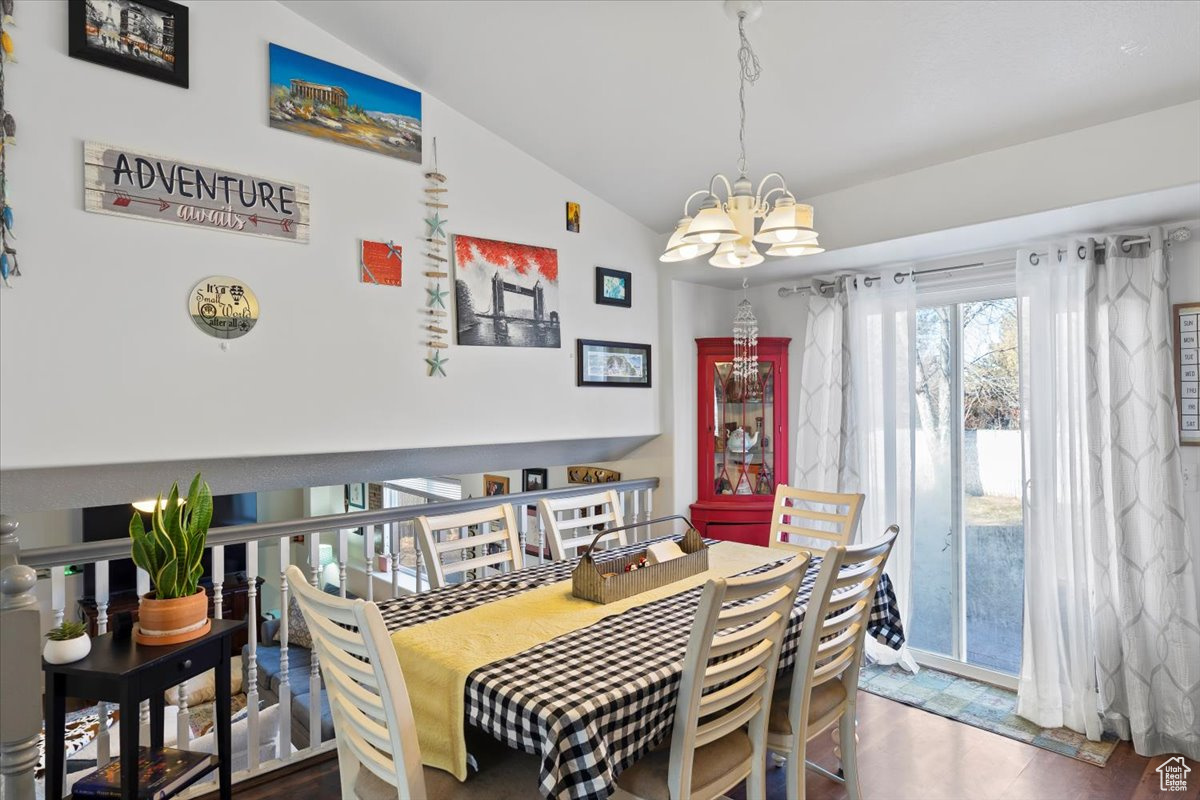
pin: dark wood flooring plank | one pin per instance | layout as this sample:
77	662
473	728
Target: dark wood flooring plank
904	754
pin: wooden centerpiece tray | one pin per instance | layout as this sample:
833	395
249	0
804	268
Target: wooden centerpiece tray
606	580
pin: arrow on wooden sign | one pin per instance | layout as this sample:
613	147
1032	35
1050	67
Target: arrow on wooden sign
123	200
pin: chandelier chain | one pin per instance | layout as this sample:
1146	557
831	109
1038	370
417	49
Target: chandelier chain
749	72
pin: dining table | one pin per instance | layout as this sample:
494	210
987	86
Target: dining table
593	693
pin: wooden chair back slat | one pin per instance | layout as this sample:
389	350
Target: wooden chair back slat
729	668
837	526
372	713
831	649
497	524
556	524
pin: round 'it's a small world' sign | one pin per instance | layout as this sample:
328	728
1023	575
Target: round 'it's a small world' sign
223	307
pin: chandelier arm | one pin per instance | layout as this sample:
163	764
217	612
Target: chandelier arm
766	199
728	186
767	177
692	197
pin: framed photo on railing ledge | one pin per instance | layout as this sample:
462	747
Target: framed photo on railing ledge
611	363
1186	318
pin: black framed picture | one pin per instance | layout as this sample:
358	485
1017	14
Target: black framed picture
614	287
534	479
611	363
145	37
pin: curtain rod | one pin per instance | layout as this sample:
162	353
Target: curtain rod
1176	235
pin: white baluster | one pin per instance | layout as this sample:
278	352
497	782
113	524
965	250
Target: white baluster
541	525
648	505
369	555
314	675
416	555
58	593
343	557
313	540
522	524
103	748
394	564
252	654
622	497
183	722
144	723
218	580
285	690
143	582
637	532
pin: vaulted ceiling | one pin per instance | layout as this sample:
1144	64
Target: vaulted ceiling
637	101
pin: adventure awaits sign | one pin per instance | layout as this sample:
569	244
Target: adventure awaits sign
129	183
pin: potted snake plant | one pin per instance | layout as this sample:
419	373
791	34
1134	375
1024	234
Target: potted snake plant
177	608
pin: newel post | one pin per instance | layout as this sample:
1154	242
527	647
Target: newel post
20	666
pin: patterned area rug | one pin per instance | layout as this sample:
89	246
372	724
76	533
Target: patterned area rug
980	705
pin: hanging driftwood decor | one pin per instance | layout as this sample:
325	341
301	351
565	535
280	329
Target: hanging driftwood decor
8	135
435	295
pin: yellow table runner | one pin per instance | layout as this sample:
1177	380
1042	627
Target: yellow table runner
438	656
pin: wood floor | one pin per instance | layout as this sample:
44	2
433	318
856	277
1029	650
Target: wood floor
905	753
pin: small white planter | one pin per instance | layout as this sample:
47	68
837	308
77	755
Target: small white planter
67	650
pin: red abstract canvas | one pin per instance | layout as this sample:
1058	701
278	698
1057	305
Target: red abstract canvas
506	294
381	263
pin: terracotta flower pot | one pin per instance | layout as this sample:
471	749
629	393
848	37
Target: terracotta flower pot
181	619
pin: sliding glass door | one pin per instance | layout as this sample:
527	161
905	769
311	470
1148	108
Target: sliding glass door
968	560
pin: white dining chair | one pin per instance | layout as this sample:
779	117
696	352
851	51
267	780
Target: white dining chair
569	522
478	531
719	738
823	685
378	754
803	519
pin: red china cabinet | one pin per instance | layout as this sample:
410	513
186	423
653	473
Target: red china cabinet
742	441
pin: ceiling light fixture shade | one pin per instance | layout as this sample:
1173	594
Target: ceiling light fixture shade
711	226
733	223
736	255
788	222
679	250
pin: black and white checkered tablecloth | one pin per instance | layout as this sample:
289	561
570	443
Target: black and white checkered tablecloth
591	702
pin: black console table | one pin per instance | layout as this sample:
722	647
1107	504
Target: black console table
126	673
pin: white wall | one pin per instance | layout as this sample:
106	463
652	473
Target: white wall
101	363
1185	288
695	311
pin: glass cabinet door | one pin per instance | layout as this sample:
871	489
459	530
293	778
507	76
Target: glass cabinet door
743	431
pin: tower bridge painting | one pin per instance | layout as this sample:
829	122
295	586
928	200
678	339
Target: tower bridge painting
506	295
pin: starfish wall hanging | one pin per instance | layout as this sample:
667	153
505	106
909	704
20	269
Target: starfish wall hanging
435	238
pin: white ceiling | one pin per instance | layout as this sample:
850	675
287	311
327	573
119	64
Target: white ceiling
637	101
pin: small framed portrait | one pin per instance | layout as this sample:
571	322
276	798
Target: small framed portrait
611	364
614	287
573	217
145	37
494	485
356	496
534	480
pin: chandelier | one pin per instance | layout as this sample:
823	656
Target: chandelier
735	226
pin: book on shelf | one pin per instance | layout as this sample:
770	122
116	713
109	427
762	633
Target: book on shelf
161	772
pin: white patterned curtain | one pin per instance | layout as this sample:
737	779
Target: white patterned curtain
1112	630
878	426
1147	627
1057	685
823	377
